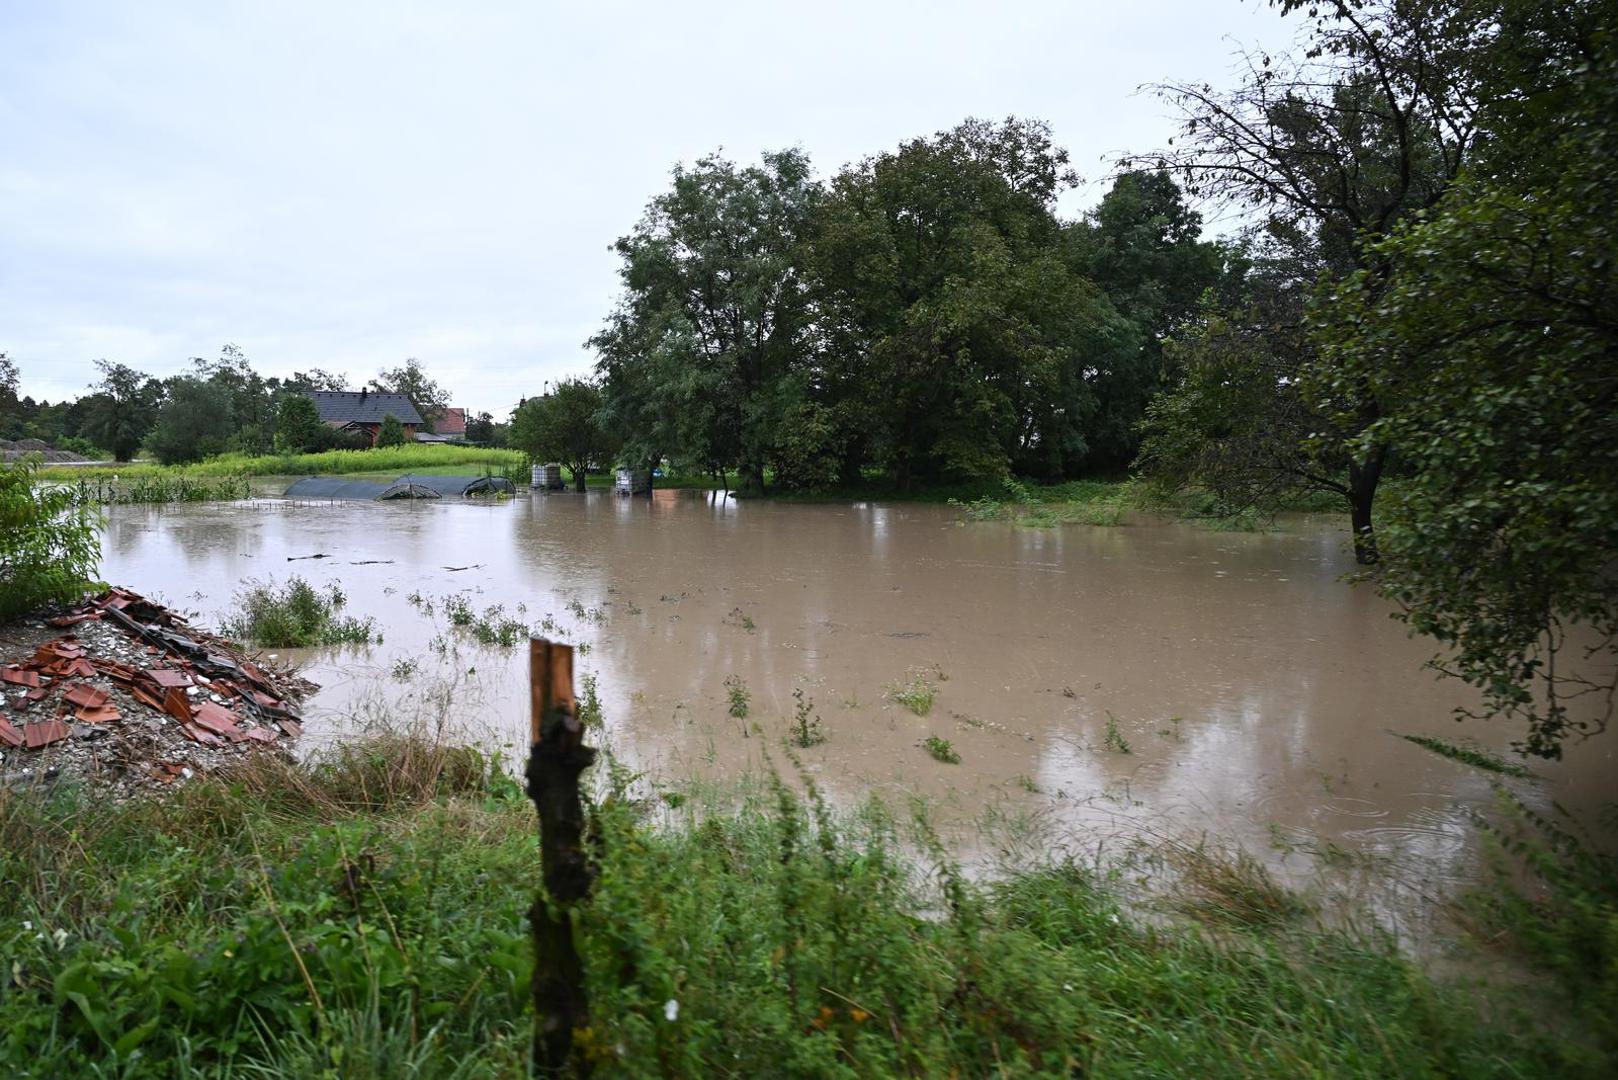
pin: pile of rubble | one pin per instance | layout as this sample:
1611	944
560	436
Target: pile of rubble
132	698
11	451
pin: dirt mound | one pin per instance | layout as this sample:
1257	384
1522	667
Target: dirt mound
12	450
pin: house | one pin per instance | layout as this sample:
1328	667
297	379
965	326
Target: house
451	423
363	411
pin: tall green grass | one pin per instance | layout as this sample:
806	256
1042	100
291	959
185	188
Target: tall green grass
395	459
362	913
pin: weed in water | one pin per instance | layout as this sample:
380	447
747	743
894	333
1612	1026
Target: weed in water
741	699
1475	756
459	609
494	628
590	712
915	692
405	667
941	750
1026	782
741	619
1114	739
296	615
1231	888
806	727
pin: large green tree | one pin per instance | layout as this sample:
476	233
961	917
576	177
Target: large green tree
122	410
957	338
1488	329
195	421
1370	123
412	380
698	358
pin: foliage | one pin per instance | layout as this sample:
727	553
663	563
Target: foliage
411	457
298	429
940	749
390	432
741	699
1552	898
194	422
121	412
1475	756
157	488
49	546
412	380
699	353
10	413
296	615
565	425
363	913
915	691
1488	333
807	730
1369	125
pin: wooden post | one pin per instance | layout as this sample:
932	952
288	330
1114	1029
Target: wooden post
557	757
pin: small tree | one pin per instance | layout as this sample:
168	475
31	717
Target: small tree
298	429
194	422
48	546
119	415
391	433
564	425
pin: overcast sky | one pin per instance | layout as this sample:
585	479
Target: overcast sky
343	184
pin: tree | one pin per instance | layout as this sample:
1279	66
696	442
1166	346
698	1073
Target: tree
391	432
1487	328
713	314
195	421
565	425
409	379
480	429
10	412
958	338
1142	246
122	411
1371	125
49	547
298	429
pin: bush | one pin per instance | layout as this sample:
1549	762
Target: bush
49	547
296	615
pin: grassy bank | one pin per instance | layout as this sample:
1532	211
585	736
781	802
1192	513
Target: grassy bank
391	459
363	915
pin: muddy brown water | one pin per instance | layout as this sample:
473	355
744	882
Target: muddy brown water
1259	696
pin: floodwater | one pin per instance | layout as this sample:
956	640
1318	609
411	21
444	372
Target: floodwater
1260	697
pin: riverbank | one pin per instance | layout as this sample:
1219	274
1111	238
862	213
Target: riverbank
418	457
364	913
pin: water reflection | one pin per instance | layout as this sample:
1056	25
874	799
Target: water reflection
1258	695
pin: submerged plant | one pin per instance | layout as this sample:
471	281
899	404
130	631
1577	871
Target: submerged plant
1475	756
740	698
941	750
915	692
296	615
1113	739
806	726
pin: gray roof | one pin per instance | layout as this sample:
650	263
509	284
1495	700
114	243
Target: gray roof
361	407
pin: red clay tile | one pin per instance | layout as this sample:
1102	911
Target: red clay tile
99	714
259	734
217	718
44	733
168	677
177	705
86	696
19	676
206	738
8	733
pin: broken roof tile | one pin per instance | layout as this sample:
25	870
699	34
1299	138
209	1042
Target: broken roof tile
44	733
11	673
9	733
87	696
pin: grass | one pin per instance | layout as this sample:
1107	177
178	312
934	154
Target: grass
390	459
916	691
295	614
1112	738
363	914
941	750
1475	756
104	490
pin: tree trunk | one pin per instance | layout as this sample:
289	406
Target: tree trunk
579	473
751	478
1363	478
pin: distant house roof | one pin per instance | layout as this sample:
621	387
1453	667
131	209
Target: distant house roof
362	407
424	436
450	422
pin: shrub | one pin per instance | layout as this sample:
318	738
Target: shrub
296	615
49	548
